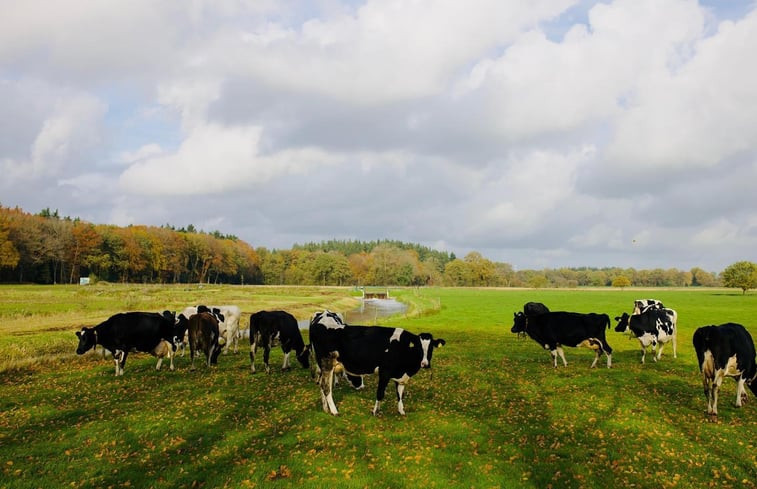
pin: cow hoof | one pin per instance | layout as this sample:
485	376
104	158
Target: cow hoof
713	418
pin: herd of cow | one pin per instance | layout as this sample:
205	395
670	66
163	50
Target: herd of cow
722	351
395	354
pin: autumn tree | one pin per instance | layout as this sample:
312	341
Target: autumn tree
741	275
9	256
621	281
85	241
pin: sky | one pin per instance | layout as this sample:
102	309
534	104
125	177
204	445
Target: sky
544	134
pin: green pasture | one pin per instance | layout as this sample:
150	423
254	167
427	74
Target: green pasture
491	413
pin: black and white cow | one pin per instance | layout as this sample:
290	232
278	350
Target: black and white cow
553	330
265	326
641	305
652	327
393	353
147	332
725	350
203	337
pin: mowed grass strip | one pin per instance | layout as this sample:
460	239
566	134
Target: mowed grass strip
492	412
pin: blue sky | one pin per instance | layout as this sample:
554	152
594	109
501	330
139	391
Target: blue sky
543	134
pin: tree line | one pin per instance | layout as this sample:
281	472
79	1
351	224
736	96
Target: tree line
48	248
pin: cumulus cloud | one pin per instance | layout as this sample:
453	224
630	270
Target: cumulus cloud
545	133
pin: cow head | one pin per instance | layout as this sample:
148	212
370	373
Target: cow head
428	343
304	357
87	340
623	323
180	329
520	322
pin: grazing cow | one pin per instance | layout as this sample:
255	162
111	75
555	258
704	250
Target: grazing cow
190	311
265	326
332	319
203	336
394	353
228	325
725	350
641	305
651	327
552	330
122	333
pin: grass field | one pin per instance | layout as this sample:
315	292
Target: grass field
491	413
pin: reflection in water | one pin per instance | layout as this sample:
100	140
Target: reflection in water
372	309
368	313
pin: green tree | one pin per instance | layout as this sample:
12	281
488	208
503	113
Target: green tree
741	275
621	281
538	281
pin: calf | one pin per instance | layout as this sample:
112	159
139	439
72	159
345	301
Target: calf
552	330
651	327
394	353
122	333
203	336
265	326
725	350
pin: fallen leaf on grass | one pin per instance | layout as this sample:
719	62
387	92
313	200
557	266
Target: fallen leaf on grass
283	472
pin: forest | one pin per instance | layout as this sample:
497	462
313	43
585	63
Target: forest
47	248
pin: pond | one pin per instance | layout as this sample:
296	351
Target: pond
369	312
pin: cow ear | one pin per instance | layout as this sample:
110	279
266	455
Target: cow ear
78	334
412	344
439	343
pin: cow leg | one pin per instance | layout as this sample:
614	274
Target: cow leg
117	355
659	352
643	352
675	353
253	350
553	352
740	391
266	356
214	355
381	392
400	391
285	365
597	354
327	383
712	406
122	363
562	356
607	350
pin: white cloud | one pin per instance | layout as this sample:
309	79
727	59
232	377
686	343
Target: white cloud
63	138
701	112
540	86
556	132
387	51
